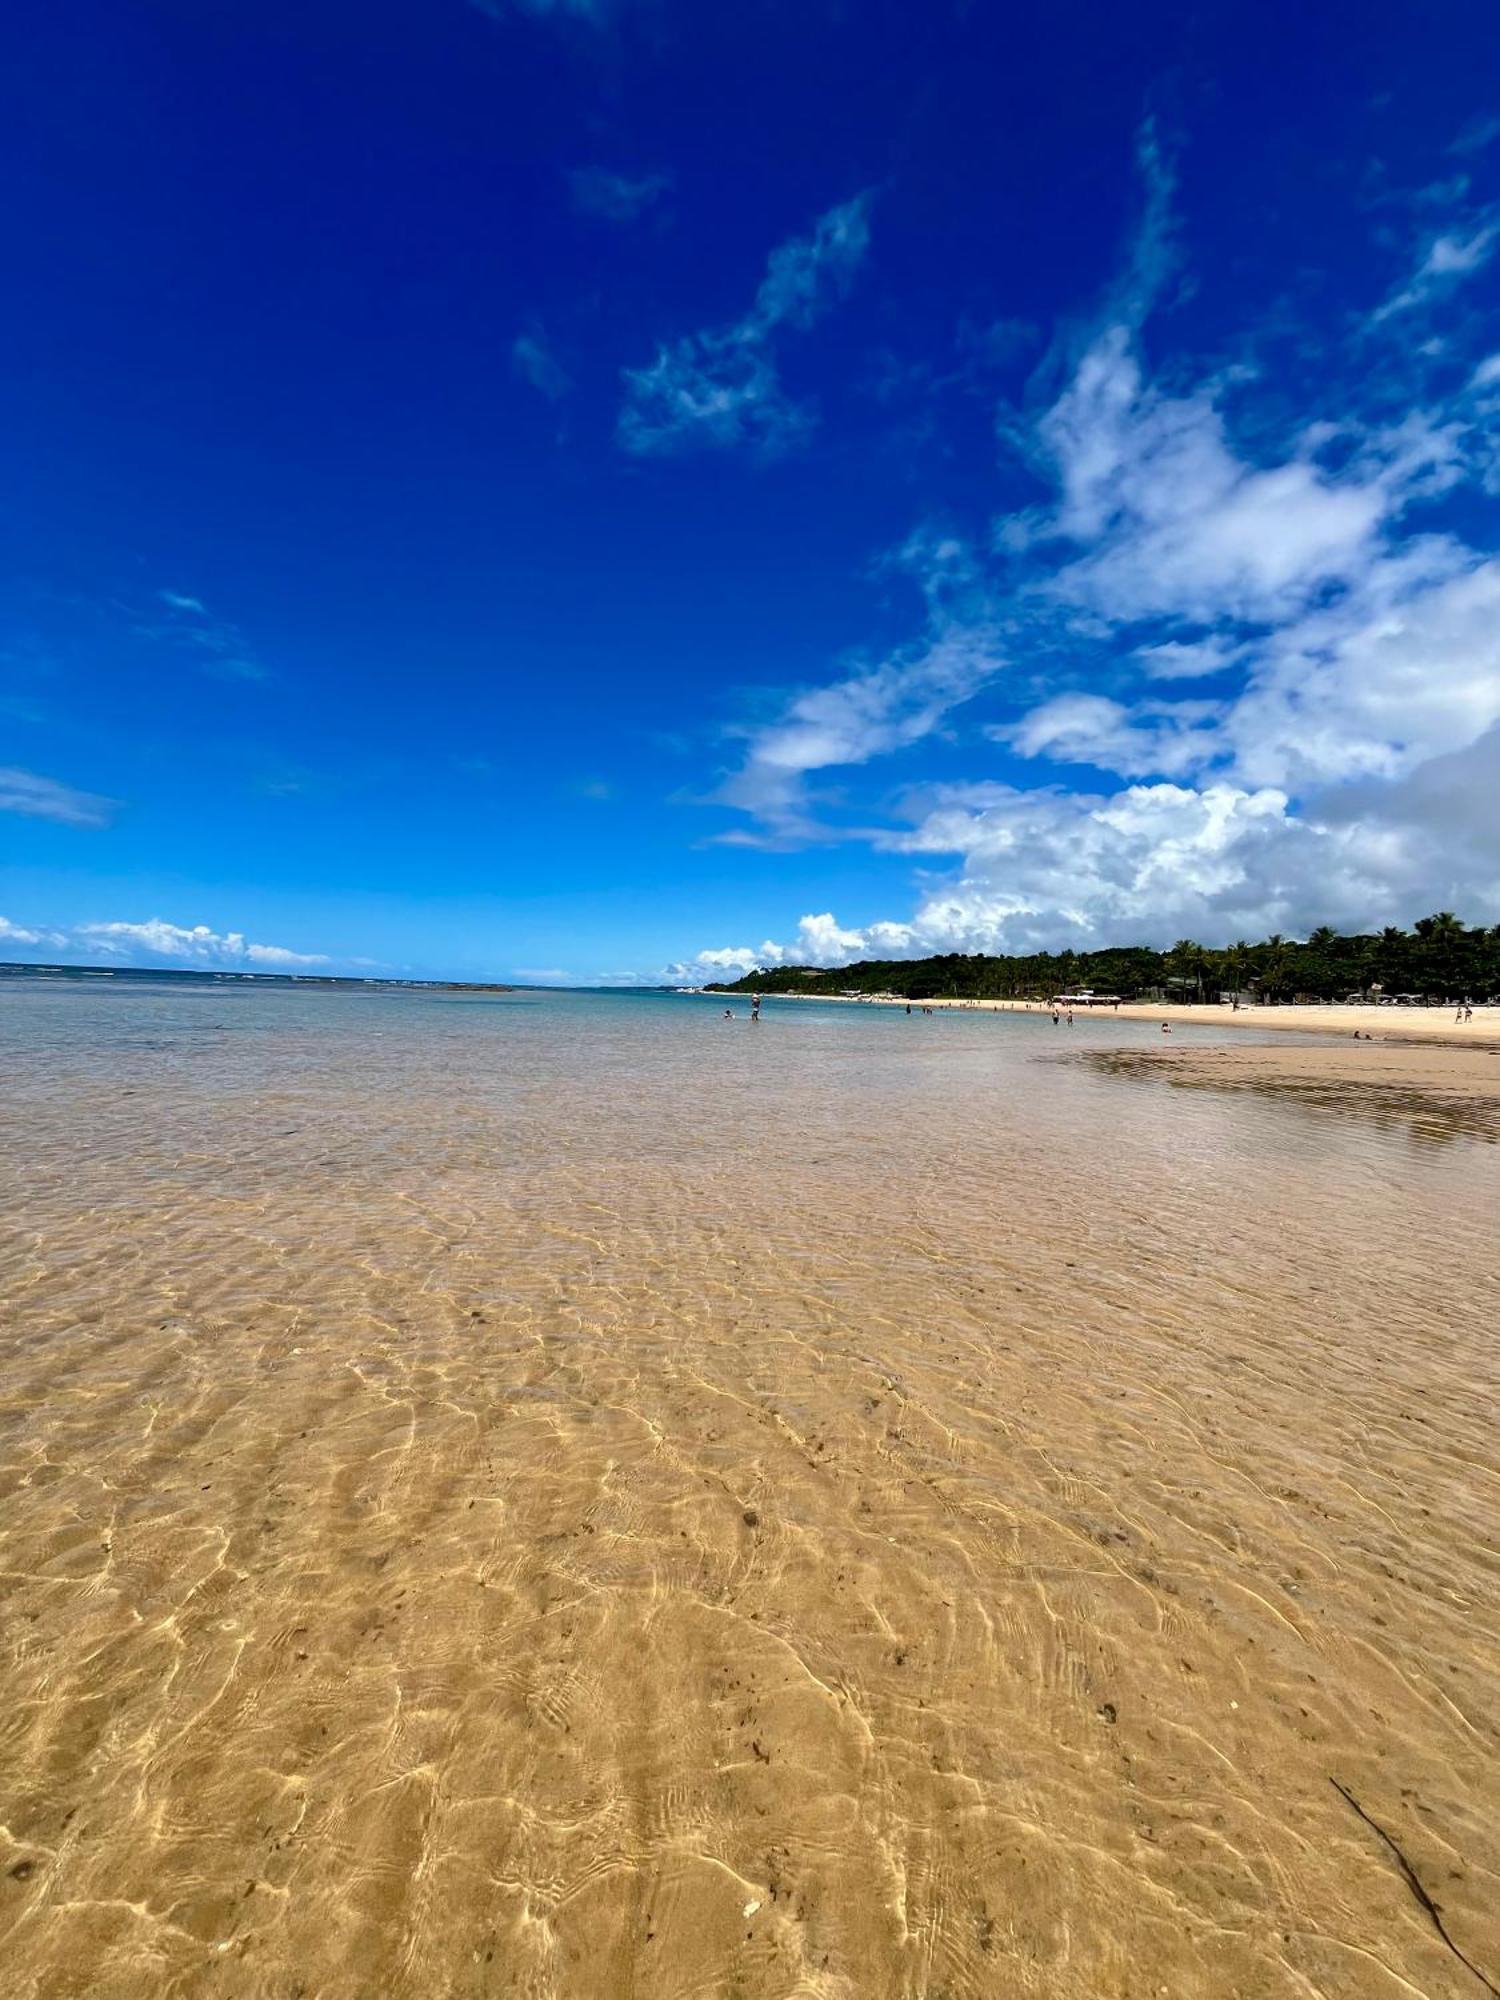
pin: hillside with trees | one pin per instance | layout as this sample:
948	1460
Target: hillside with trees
1439	960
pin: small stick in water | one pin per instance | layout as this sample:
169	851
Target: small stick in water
1417	1890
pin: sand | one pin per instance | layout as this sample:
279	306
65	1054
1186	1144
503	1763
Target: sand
1424	1024
1433	1088
568	1499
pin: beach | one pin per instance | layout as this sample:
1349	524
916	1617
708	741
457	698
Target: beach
569	1496
1410	1063
1420	1024
1433	1086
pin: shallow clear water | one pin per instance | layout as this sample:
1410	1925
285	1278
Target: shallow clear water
567	1495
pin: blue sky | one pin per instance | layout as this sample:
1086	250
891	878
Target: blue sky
622	488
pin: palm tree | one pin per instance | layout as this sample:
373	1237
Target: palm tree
1274	964
1443	935
1323	971
1188	957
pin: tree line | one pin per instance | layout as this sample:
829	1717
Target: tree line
1440	959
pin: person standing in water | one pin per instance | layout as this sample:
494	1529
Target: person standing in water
755	1006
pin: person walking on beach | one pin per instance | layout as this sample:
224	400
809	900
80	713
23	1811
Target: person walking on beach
755	1006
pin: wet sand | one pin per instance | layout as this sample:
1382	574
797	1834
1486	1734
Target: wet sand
565	1501
1430	1088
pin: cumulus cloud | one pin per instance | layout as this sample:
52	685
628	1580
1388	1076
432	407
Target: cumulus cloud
48	798
15	934
1051	869
1341	766
722	387
195	944
820	940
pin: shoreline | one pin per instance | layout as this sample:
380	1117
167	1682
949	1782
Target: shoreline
1432	1026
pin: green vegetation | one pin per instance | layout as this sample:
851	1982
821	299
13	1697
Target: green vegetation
1441	959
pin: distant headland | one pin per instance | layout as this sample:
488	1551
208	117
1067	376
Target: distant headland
196	976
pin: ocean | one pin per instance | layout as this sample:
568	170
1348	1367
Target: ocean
565	1495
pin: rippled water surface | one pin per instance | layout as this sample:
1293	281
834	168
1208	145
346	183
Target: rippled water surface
567	1496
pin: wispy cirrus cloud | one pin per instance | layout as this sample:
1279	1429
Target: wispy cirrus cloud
721	388
1450	256
595	11
617	197
216	646
875	708
533	358
48	798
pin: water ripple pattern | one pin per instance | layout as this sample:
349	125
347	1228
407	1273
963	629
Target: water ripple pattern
556	1497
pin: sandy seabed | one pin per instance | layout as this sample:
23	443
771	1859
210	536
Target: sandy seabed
567	1498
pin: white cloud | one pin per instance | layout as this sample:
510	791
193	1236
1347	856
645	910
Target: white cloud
877	708
1449	256
722	388
1175	523
820	940
1404	668
20	934
195	943
1048	870
1184	660
731	959
1148	739
1347	767
47	798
